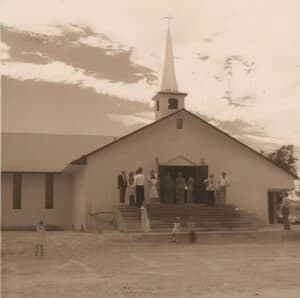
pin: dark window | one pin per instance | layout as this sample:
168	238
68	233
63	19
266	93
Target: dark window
179	123
17	191
173	103
157	105
49	191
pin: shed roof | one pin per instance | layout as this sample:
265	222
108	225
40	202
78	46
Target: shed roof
30	152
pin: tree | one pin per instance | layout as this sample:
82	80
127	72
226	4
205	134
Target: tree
284	158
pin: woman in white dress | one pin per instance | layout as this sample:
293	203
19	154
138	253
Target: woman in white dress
153	188
145	223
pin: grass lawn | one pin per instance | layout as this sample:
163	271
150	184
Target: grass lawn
112	265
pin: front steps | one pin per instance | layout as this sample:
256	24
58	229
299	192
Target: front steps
131	217
162	217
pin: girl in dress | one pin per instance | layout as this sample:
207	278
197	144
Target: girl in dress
153	188
176	229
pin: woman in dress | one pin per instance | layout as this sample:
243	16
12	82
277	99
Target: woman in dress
153	188
145	223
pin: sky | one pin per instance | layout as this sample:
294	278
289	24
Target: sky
238	60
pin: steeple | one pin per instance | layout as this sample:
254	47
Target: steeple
168	100
169	82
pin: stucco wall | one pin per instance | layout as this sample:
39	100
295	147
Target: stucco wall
79	200
251	176
33	201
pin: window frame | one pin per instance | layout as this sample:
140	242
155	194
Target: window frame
49	191
17	191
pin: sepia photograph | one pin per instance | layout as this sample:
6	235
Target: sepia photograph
150	148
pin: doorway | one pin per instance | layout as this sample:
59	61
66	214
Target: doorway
274	202
199	173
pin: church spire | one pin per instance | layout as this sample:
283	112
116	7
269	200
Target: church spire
169	82
168	100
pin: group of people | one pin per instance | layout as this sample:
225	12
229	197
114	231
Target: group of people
216	190
132	189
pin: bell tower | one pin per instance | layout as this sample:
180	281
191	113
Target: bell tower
168	100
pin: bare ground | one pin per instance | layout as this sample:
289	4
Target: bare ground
111	265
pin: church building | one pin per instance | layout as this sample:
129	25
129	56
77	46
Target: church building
177	140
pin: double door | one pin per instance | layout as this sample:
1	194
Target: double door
199	173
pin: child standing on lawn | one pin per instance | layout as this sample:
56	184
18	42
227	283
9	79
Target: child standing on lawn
176	229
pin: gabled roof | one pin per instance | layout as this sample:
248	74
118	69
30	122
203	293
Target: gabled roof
31	152
199	119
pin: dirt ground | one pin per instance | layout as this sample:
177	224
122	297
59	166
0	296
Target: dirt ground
112	265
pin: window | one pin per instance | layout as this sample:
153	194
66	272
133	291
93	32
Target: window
173	103
157	105
17	191
49	191
179	123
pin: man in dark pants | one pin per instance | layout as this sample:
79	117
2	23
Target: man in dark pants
210	187
139	183
122	185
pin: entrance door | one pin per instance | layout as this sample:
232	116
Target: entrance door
274	202
199	173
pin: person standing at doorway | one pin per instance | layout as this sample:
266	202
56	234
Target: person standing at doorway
210	187
285	210
139	183
190	190
223	184
122	185
169	189
131	189
180	188
41	236
153	187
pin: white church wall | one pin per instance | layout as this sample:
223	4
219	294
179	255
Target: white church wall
79	200
251	176
33	201
138	150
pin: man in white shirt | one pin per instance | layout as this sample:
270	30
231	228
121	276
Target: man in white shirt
139	183
223	184
210	187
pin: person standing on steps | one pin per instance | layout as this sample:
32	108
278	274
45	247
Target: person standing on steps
153	188
40	241
190	190
210	187
122	186
139	183
223	185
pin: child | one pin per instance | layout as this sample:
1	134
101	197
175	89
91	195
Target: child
40	231
176	229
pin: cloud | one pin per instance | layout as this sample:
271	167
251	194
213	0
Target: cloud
4	51
52	107
58	72
95	54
